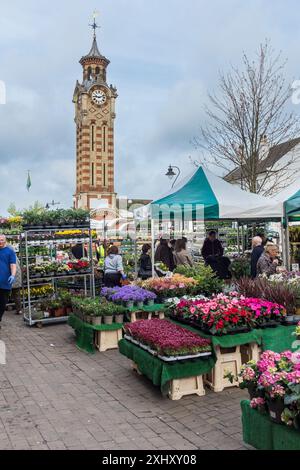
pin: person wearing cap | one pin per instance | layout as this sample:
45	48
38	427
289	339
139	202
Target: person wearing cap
8	270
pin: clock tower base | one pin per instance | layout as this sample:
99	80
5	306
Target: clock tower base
95	201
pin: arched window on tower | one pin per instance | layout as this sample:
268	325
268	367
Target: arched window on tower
89	73
97	72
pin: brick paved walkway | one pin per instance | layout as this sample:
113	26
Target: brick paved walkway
53	396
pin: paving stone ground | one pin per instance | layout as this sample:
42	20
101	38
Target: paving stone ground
53	396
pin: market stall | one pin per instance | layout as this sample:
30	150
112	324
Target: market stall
290	200
204	196
261	433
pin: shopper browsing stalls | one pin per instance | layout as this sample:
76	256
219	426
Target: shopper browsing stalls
7	273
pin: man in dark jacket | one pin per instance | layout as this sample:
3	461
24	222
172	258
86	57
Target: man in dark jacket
257	251
164	254
212	246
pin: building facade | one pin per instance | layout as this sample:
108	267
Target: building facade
278	166
94	102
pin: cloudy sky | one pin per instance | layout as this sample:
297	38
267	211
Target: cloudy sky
165	57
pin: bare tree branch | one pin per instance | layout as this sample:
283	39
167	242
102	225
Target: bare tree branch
246	118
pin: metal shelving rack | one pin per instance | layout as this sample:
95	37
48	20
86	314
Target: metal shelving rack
52	242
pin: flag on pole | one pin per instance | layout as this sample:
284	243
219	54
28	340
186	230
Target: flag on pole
28	184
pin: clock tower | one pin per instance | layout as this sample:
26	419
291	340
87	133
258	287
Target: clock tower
94	103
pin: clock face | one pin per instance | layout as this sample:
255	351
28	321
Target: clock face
99	97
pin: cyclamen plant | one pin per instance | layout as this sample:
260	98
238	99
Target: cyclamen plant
224	313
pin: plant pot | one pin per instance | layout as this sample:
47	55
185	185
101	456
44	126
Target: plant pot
150	302
107	319
252	390
119	318
69	310
129	304
289	319
297	317
97	320
140	304
59	312
88	318
275	408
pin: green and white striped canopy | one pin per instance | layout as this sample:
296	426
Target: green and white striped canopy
291	200
213	198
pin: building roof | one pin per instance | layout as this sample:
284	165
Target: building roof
275	154
94	53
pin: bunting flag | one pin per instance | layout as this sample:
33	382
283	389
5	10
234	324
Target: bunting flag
28	184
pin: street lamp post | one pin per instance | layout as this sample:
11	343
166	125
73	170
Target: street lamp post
171	173
52	203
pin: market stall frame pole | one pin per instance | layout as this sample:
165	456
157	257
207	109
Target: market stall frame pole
287	235
283	242
238	237
135	250
152	245
285	227
92	278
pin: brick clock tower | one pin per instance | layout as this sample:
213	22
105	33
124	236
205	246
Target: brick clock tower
94	117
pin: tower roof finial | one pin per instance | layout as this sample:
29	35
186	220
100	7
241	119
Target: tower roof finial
94	52
94	26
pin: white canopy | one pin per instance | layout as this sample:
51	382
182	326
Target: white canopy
220	200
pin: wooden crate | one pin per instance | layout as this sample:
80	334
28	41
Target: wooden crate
228	360
107	339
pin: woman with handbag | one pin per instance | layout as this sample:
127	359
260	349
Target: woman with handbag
113	268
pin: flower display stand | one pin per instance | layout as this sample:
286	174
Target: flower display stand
228	360
250	352
89	337
107	339
179	388
261	433
186	386
142	315
139	315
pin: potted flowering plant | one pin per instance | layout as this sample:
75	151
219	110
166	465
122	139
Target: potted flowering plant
265	313
177	285
57	308
131	294
108	292
222	315
248	378
119	313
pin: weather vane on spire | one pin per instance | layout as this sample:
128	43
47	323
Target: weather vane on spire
94	25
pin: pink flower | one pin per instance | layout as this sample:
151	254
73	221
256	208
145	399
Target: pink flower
257	402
